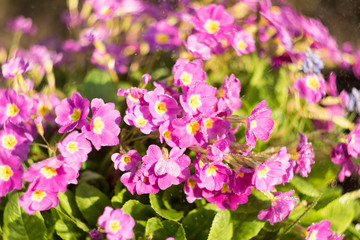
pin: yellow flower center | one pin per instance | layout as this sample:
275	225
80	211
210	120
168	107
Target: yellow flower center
241	45
225	188
48	172
211	171
313	235
132	97
72	147
263	172
105	10
253	124
191	182
192	127
76	115
43	109
194	101
9	141
208	123
312	82
114	226
162	38
5	172
212	26
141	121
240	174
160	108
38	195
98	125
11	110
186	78
167	134
126	159
220	93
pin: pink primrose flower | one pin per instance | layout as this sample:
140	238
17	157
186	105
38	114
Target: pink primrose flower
243	42
353	142
72	112
15	140
127	161
14	107
188	73
51	174
162	35
103	129
200	98
229	95
35	199
74	148
281	206
259	124
197	48
11	173
340	155
22	24
304	157
311	87
117	225
14	67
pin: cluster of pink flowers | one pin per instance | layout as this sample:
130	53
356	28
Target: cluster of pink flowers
196	118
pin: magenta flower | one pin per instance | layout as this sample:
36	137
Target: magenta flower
22	24
162	107
311	87
15	140
35	199
267	175
319	231
226	199
259	124
198	48
219	150
14	107
241	180
117	225
353	142
243	42
134	97
72	112
188	73
229	95
51	175
166	133
75	148
187	132
140	180
339	155
127	161
216	128
104	9
162	35
168	168
213	176
140	118
200	98
287	165
11	173
213	20
15	67
304	157
192	190
281	205
103	129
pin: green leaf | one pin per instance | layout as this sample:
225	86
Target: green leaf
155	229
67	204
256	202
158	206
222	226
91	202
304	187
246	226
119	198
197	223
50	221
98	84
67	230
137	210
19	225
